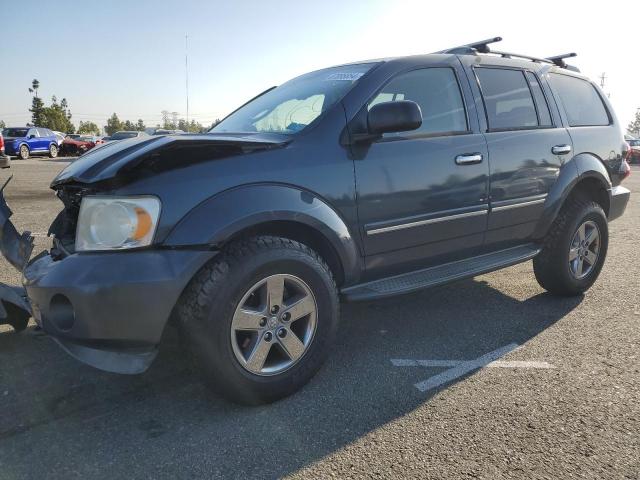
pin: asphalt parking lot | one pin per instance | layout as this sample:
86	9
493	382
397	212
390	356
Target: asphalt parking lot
548	387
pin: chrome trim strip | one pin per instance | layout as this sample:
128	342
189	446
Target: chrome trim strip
429	221
517	205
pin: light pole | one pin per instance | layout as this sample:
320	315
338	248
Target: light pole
186	73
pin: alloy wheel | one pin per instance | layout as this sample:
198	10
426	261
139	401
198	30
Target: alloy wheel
274	324
584	250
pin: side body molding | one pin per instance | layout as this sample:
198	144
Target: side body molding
580	167
220	217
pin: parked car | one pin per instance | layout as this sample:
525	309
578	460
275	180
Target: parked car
634	155
79	145
5	162
125	134
59	137
164	131
355	182
25	141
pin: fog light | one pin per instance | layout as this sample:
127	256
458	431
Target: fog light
61	312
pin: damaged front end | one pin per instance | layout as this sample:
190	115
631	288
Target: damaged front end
16	248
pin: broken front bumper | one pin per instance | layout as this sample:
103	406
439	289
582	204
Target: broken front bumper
109	309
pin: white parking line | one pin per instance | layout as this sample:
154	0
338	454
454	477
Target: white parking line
458	368
404	362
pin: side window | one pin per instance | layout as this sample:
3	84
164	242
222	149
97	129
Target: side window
43	132
581	101
32	131
507	99
544	116
436	91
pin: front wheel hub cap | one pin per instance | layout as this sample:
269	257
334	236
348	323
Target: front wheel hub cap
267	348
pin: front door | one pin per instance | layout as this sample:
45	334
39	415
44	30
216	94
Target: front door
422	195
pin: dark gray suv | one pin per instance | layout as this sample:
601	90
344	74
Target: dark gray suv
356	182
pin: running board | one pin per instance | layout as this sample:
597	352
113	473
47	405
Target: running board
449	272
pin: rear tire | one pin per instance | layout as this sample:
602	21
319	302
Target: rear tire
236	284
23	153
574	250
53	150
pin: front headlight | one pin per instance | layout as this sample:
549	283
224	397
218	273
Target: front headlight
114	223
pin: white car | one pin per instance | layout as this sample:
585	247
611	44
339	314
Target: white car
60	137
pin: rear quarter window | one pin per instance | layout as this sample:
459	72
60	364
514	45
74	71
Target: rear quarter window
580	100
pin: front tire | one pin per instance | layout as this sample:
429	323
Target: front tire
23	153
53	150
260	319
574	250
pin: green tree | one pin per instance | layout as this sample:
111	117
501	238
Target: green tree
128	125
634	125
56	117
140	125
37	105
113	125
88	127
2	124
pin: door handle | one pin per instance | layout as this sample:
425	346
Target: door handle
469	159
561	149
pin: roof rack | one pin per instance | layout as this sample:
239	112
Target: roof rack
480	47
559	59
483	47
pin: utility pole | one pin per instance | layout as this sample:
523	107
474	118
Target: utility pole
603	78
186	73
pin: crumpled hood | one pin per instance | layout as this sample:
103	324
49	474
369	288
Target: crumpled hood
111	159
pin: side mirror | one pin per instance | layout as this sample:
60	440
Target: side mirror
400	116
32	136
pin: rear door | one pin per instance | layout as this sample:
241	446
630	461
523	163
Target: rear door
527	147
589	122
422	194
45	138
33	140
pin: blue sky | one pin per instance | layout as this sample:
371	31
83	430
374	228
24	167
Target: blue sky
128	56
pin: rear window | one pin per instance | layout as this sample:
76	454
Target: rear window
581	101
15	132
507	99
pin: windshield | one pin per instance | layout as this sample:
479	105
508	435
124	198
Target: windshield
86	139
634	143
294	105
15	132
121	135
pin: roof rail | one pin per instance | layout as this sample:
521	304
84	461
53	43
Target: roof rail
481	47
517	55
